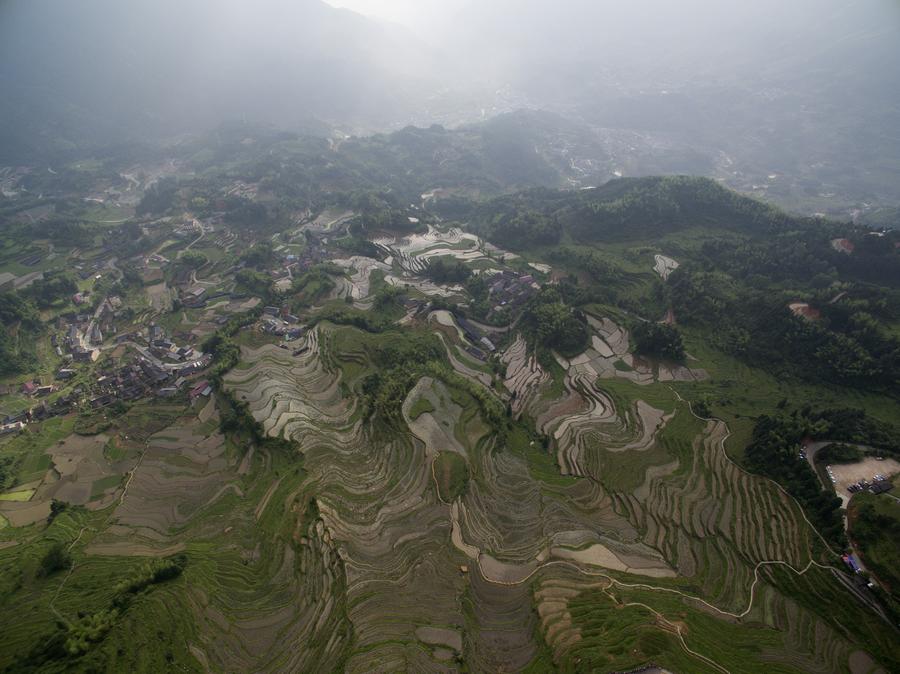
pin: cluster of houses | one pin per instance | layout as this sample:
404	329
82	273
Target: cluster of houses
95	268
84	333
166	349
509	290
279	322
43	410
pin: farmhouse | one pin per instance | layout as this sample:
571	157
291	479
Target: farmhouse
82	355
13	427
194	297
471	332
201	389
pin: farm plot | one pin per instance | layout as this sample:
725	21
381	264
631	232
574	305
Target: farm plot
361	269
664	266
665	521
412	253
609	357
291	396
79	474
524	375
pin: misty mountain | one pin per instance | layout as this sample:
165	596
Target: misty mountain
102	70
789	101
809	89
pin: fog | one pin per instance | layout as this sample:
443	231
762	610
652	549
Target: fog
813	78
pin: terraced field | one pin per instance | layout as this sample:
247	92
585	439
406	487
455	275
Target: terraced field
656	532
599	526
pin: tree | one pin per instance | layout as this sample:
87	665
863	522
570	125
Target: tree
55	559
192	259
447	270
159	197
254	281
554	324
55	286
259	256
658	339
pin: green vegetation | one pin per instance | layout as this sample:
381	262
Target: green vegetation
222	347
303	461
193	259
420	407
452	474
57	558
159	198
312	286
19	325
839	453
22	495
255	282
447	270
774	451
555	325
875	529
658	339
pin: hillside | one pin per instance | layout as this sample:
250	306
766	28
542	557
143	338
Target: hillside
628	208
283	403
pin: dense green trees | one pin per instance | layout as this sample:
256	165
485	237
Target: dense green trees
627	208
774	451
447	269
63	231
659	340
192	259
259	255
247	214
555	325
55	559
19	323
523	229
401	361
847	345
56	286
312	285
255	282
159	197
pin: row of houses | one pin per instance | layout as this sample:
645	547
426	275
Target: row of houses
474	335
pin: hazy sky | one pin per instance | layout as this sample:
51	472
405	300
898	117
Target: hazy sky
410	13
